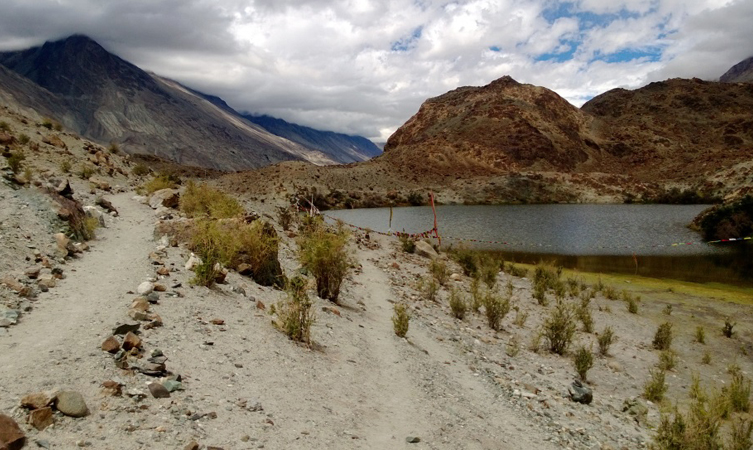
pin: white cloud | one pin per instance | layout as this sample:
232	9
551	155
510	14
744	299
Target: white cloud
365	66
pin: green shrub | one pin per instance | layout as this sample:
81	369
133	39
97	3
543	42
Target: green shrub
4	126
23	139
667	360
547	275
655	388
162	180
15	160
65	166
400	319
86	172
324	254
539	293
140	170
513	347
632	306
439	271
496	308
584	315
285	217
233	243
706	358
663	337
733	219
47	123
477	298
408	244
609	292
467	259
205	201
206	272
583	360
520	317
515	271
606	339
114	148
488	269
740	434
559	328
458	305
297	314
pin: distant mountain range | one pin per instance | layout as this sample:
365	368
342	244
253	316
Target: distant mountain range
741	72
102	97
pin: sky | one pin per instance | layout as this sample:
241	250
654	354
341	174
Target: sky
365	67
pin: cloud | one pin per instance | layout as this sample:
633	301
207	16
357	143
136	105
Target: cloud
365	66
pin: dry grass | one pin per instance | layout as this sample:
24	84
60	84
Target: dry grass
204	201
324	254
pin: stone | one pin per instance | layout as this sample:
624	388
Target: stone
193	445
106	205
111	345
126	328
413	439
260	305
217	322
71	404
41	418
220	273
131	341
169	198
100	183
33	272
145	288
47	281
11	436
158	390
64	189
9	317
580	394
245	269
172	385
15	285
136	314
140	304
192	262
38	400
159	287
94	213
425	249
63	244
112	388
164	271
636	409
54	140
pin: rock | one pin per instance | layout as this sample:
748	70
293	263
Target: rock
20	288
164	271
54	140
71	404
152	369
140	304
112	388
193	445
160	287
192	262
456	277
425	249
245	269
217	322
38	400
33	272
135	314
47	281
63	244
172	385
9	317
169	198
126	328
260	305
99	183
413	439
158	390
580	394
7	139
145	288
41	418
64	189
106	205
111	345
11	436
131	341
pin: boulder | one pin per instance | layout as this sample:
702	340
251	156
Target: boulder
33	272
111	345
131	341
192	262
425	249
72	404
64	189
140	304
580	394
11	436
64	245
169	198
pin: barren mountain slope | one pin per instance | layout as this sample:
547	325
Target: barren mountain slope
741	72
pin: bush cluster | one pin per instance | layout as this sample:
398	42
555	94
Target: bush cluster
559	328
204	201
324	254
297	314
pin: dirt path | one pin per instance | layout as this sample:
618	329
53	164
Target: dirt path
57	345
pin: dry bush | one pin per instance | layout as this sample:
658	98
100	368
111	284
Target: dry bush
727	330
400	320
140	170
655	388
477	298
547	275
488	269
204	201
663	337
234	242
632	306
285	217
667	360
429	288
606	339
496	308
467	259
584	315
740	433
559	328
458	305
163	180
739	392
583	360
324	254
515	271
15	161
297	314
408	244
700	335
439	271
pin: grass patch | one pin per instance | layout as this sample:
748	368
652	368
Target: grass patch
496	308
559	328
605	340
201	200
458	305
163	180
324	254
400	320
663	337
297	314
655	387
583	360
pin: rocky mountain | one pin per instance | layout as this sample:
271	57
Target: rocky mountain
741	72
675	131
341	147
103	97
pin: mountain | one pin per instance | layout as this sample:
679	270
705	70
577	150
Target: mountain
341	147
741	72
105	98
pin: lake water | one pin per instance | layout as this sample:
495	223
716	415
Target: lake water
651	240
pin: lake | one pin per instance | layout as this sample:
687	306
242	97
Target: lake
652	240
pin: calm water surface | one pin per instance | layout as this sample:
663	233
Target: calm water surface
598	238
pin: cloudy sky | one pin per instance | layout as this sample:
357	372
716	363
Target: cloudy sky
365	66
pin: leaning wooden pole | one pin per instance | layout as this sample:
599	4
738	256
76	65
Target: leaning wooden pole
436	228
